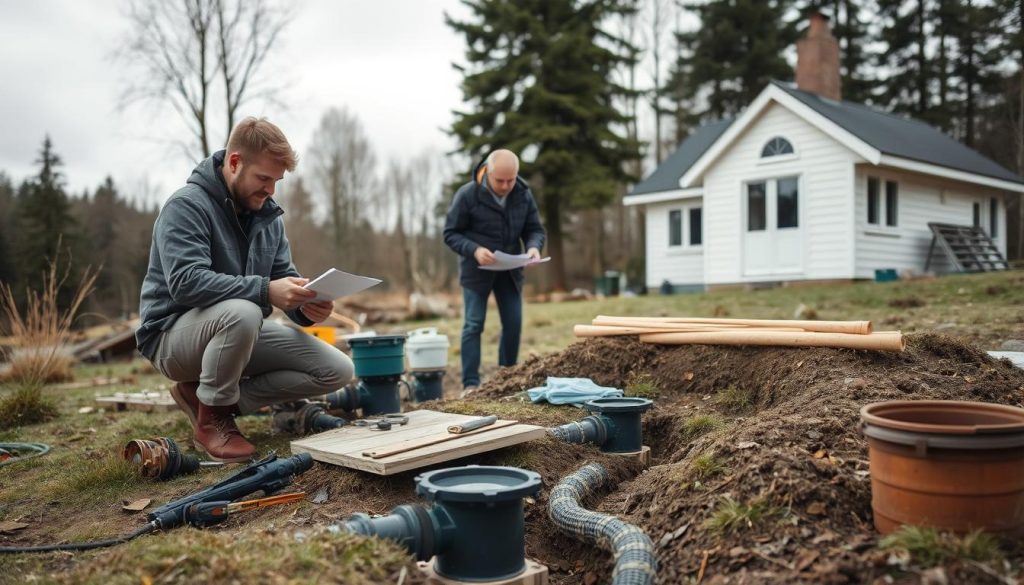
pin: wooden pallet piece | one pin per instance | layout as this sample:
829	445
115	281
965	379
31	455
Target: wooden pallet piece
535	574
968	248
345	446
643	455
142	401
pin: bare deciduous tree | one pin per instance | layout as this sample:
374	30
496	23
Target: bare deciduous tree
188	53
343	168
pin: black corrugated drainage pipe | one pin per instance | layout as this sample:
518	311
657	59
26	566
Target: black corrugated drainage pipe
635	562
475	527
615	429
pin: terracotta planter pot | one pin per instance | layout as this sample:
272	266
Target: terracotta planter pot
947	464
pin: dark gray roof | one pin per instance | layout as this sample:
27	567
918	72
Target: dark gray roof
889	133
902	137
666	176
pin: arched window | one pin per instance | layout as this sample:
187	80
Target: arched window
776	146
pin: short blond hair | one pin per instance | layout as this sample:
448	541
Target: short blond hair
254	136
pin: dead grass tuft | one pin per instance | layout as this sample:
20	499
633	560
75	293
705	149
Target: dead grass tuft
732	515
26	406
41	328
643	387
928	547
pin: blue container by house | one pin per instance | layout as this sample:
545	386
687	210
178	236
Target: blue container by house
886	275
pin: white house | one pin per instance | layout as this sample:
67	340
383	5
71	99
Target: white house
803	186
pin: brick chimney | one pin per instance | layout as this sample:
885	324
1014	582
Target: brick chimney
817	59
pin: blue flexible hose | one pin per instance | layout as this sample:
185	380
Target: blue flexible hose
38	449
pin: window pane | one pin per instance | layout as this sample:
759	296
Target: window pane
891	196
873	200
675	228
696	234
788	208
756	212
976	208
993	217
776	146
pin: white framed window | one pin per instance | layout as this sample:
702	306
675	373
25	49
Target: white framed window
777	146
883	208
686	226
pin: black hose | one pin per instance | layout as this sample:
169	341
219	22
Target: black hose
635	562
80	545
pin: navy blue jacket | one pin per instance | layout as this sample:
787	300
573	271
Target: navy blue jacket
200	255
475	219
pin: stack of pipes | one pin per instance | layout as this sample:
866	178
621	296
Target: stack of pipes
701	331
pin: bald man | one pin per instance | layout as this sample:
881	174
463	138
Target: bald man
494	211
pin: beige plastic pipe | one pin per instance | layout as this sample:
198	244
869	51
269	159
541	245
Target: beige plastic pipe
855	327
882	341
609	331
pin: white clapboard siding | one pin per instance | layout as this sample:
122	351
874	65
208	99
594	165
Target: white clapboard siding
922	199
680	265
826	171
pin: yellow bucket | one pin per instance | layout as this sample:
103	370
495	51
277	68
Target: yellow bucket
326	334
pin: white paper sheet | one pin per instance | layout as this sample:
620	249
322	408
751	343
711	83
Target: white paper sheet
503	261
335	284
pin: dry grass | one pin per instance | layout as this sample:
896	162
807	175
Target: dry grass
40	329
26	406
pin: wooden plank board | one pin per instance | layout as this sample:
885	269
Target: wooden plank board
535	574
345	446
144	401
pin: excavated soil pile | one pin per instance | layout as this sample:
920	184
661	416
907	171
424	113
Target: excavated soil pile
770	434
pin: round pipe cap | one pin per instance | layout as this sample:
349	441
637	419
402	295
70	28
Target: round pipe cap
478	483
617	405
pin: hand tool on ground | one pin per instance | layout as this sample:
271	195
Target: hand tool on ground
382	424
268	475
209	513
427	441
472	425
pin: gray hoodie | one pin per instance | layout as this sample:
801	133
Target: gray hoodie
200	255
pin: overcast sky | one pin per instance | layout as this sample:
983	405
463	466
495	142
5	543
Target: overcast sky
388	61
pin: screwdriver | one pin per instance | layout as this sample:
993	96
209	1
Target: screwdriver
207	513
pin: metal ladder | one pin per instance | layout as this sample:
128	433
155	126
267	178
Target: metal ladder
968	248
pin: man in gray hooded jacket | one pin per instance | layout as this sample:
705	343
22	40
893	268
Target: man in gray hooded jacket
218	264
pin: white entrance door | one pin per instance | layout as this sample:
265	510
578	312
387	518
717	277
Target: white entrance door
772	237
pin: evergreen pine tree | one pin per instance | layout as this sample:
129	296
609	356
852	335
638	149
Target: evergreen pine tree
45	225
7	215
906	26
539	74
737	49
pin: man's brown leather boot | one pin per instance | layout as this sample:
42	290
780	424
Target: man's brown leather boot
217	434
184	395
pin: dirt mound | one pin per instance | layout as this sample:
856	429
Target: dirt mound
760	469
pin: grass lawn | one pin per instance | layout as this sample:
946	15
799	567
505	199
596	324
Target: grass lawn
76	491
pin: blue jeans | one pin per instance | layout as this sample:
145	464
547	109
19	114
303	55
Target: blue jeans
510	309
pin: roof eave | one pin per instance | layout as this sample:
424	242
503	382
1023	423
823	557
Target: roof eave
949	173
662	196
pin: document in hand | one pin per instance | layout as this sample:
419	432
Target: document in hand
503	261
335	284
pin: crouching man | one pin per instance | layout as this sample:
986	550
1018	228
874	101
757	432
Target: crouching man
218	264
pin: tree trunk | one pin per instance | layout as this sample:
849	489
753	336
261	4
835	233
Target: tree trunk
553	218
922	61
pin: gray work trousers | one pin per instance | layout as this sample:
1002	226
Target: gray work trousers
237	357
